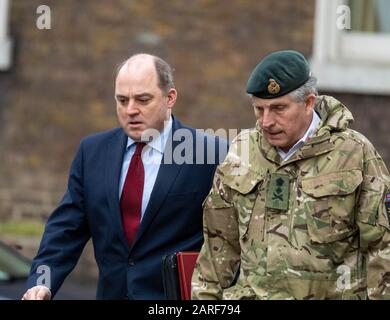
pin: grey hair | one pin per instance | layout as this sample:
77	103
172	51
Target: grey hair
163	69
309	87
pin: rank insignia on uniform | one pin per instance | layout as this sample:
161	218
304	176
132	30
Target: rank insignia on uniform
278	192
273	87
387	204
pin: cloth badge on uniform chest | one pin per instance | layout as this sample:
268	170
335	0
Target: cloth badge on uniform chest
278	192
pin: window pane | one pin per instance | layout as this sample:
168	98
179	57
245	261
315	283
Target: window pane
370	15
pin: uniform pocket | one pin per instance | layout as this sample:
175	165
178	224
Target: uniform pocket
370	200
243	183
245	187
330	204
217	219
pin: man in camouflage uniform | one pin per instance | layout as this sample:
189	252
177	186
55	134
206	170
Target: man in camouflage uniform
300	207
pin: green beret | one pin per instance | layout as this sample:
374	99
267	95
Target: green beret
278	74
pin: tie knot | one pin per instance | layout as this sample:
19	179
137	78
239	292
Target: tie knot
139	147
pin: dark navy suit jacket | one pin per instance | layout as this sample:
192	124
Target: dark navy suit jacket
90	208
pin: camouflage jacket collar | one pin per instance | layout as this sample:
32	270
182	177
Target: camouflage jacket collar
334	117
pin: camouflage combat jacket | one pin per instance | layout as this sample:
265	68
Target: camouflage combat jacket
331	242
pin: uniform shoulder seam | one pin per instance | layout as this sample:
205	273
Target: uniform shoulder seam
355	136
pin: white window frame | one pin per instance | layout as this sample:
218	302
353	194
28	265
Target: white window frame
5	40
348	61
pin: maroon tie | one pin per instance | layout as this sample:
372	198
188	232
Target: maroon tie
131	199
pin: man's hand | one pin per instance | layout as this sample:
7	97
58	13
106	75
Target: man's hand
37	293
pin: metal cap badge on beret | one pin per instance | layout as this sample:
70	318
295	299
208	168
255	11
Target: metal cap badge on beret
278	74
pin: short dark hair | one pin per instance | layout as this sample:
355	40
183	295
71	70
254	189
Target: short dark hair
165	74
163	69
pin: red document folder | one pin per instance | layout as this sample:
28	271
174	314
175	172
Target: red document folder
185	265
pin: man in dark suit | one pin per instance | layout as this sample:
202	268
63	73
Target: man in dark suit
136	190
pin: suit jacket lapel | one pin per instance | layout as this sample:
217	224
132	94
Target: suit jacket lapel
165	178
114	159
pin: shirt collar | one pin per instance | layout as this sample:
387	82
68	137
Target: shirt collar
158	143
313	127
